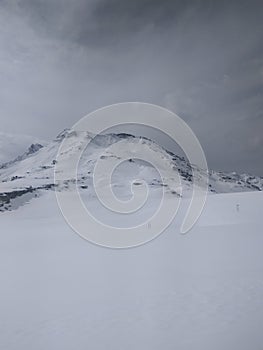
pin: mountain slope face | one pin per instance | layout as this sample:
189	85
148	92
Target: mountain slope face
34	170
12	146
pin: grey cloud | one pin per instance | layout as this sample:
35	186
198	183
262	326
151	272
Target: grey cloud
60	59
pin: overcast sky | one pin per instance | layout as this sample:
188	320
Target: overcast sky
60	59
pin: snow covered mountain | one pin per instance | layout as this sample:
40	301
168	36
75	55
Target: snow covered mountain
34	169
12	146
191	292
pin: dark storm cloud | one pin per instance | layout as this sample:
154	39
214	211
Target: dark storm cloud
97	22
60	59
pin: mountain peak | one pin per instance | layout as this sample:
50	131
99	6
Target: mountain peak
35	168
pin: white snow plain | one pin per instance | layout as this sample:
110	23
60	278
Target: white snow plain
199	291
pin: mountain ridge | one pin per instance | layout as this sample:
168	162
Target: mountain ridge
34	169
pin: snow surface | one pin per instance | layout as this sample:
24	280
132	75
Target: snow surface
202	290
197	291
37	170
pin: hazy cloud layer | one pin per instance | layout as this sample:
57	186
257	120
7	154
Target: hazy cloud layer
60	59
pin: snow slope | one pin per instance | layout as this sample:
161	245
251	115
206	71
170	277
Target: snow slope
198	291
35	170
